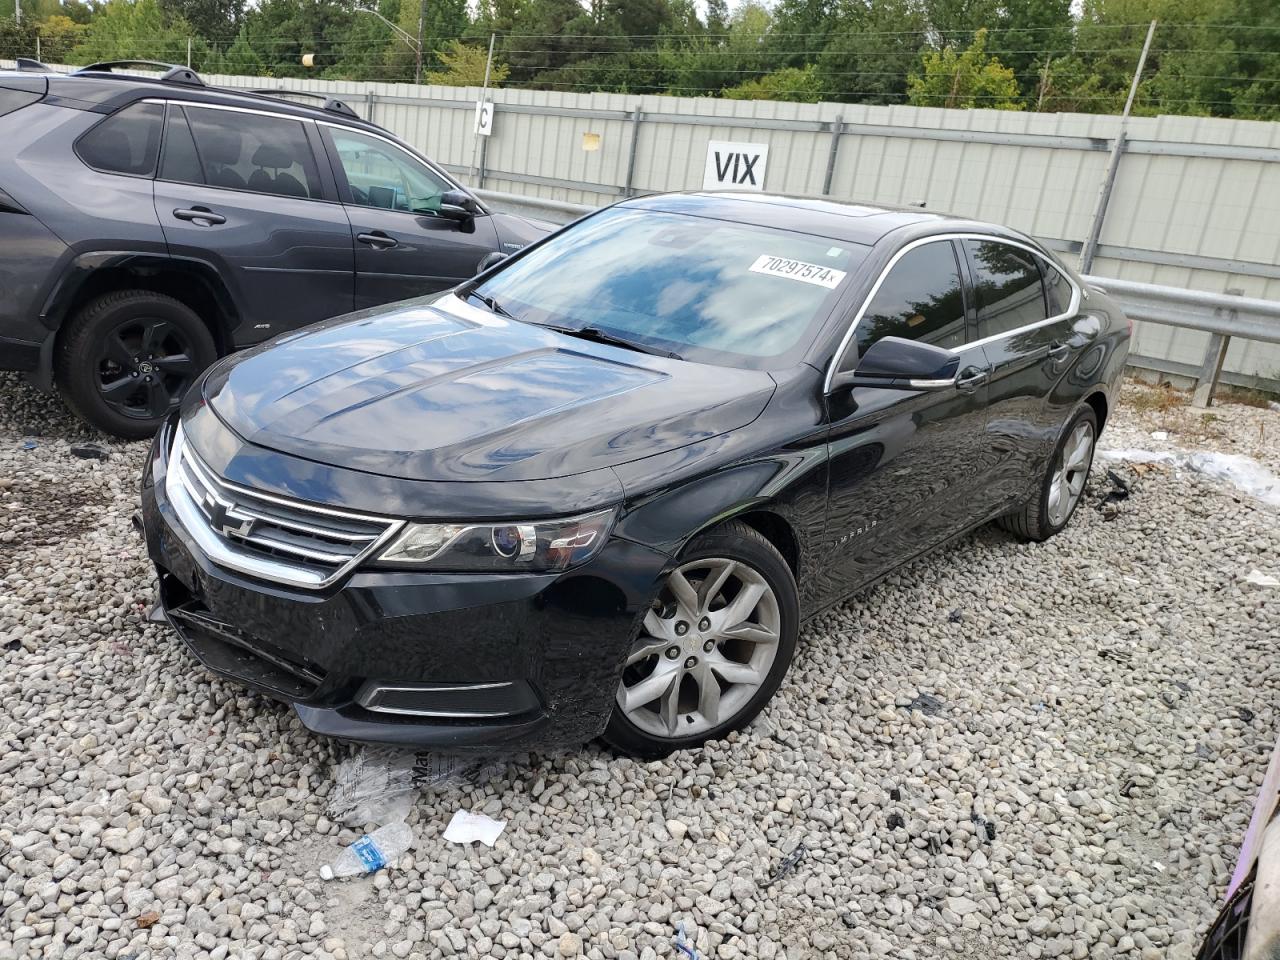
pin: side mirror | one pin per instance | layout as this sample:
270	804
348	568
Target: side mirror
497	256
458	205
896	364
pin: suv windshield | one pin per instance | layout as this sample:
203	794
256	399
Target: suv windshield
707	290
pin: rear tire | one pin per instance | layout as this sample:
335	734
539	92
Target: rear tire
126	359
713	649
1062	488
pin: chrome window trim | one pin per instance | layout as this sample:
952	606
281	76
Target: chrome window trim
948	237
223	553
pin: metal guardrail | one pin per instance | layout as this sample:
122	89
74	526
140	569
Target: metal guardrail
1221	315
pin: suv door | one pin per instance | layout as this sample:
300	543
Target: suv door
1031	336
404	247
243	192
905	464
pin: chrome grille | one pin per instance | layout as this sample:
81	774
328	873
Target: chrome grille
265	535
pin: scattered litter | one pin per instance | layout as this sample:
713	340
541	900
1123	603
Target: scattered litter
934	846
1169	697
1260	579
29	444
985	826
1120	490
955	616
379	784
468	827
90	451
148	920
1159	435
1157	866
1038	707
895	821
1245	714
13	645
789	863
1127	790
1119	656
927	704
371	852
1244	473
684	945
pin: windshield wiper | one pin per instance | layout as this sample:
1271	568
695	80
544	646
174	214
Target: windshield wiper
597	335
493	305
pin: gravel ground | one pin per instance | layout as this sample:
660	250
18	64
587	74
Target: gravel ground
1004	751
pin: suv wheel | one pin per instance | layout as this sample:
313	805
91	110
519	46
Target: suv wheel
712	649
128	357
1060	492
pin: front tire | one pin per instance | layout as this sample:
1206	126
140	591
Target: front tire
1062	488
126	359
713	648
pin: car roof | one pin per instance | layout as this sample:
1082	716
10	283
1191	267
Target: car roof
847	221
103	91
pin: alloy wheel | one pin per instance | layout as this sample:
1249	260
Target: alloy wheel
707	645
144	366
1069	473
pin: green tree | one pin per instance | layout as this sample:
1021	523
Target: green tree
798	84
210	19
964	80
1028	34
874	47
464	66
59	36
133	28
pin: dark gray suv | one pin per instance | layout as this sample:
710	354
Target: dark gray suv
148	226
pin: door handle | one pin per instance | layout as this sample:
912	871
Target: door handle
971	380
199	214
1058	351
378	240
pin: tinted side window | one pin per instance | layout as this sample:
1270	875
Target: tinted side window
920	299
381	175
245	151
1008	287
180	161
126	142
1057	289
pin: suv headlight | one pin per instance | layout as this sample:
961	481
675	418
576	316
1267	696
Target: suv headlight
516	545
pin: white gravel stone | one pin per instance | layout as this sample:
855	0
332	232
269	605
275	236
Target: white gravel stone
1004	750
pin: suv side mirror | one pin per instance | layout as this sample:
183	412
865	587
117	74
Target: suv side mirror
458	205
896	364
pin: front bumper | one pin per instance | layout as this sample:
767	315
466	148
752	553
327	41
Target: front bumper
454	661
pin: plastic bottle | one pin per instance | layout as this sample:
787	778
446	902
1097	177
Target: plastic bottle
371	852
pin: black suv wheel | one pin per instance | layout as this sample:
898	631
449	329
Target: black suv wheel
128	357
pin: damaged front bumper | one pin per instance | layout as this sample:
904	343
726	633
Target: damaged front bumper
480	662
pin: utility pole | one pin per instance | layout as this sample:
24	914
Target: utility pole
488	65
1044	82
17	12
422	13
1104	199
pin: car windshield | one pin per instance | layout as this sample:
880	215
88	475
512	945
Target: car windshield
707	290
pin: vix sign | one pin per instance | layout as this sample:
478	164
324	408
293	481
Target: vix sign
735	166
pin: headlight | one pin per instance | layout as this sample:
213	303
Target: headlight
507	545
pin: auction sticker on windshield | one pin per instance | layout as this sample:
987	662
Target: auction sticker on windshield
813	273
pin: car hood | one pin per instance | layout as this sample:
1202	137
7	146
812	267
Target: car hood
438	389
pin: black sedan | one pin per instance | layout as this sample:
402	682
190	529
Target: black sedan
597	489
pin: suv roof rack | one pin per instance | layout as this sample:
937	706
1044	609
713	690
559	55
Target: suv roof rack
172	72
28	65
332	104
